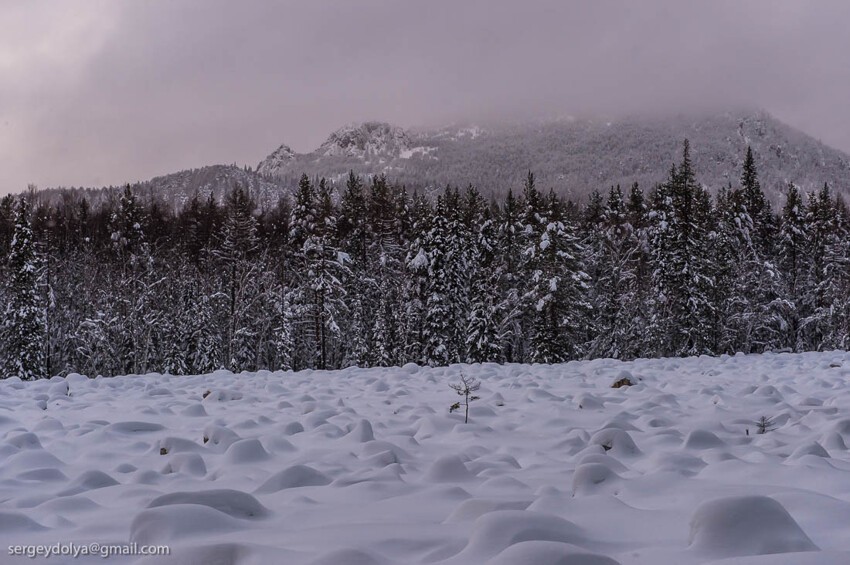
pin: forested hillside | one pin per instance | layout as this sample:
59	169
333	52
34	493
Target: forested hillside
570	155
373	275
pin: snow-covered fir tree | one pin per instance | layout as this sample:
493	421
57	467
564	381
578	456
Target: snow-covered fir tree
326	271
444	339
616	287
558	290
681	265
415	287
510	234
753	310
826	271
238	248
485	319
353	237
791	260
23	327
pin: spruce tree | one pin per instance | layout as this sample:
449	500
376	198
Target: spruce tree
238	249
446	288
353	240
415	287
510	234
636	304
558	293
757	207
386	254
682	269
823	302
614	286
352	230
753	309
326	271
533	223
484	326
663	273
23	328
792	262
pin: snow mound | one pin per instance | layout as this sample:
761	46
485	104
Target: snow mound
604	459
362	432
833	440
134	427
44	474
448	469
350	557
842	427
293	477
476	507
179	522
703	439
32	459
280	445
89	480
496	531
549	553
219	435
738	526
6	422
76	379
811	448
293	428
808	558
17	522
223	395
173	444
234	503
378	446
194	410
246	451
588	402
188	463
70	504
381	460
594	478
27	440
615	441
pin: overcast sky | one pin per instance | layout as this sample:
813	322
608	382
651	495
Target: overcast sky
96	92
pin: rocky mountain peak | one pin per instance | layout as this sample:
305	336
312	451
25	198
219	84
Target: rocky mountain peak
368	139
281	157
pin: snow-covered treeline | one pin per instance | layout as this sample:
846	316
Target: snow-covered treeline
375	276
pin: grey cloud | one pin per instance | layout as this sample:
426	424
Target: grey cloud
106	92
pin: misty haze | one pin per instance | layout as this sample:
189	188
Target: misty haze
371	282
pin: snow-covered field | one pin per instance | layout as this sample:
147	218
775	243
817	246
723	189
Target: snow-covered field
361	467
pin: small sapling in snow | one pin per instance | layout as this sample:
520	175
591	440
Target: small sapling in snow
465	388
764	425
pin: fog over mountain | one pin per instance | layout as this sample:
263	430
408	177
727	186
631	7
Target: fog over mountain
572	156
98	92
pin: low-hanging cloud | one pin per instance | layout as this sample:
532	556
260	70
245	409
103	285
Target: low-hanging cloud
101	92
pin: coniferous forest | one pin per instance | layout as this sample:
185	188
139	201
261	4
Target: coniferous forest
368	274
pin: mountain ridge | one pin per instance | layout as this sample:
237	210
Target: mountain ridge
573	156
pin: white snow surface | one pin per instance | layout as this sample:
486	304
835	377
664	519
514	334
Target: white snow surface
368	467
